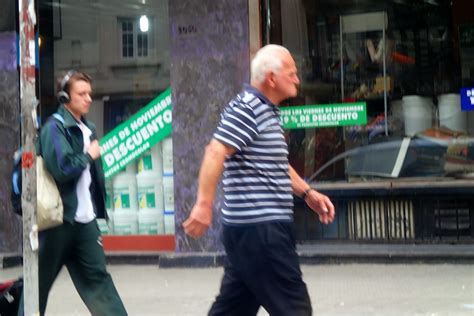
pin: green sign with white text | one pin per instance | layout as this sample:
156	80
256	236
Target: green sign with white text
139	133
324	115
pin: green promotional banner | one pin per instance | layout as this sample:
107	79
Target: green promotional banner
139	133
324	115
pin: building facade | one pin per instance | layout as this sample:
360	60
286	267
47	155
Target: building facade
403	173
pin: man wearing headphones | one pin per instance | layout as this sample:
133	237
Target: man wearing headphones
71	152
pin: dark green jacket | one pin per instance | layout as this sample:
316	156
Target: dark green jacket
61	146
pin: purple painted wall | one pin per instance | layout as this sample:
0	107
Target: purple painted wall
209	64
10	224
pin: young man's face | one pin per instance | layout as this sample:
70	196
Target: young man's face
79	98
286	80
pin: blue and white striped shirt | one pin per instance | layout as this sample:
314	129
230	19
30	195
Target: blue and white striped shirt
257	184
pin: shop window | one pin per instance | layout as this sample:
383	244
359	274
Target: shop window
134	39
411	64
129	70
405	62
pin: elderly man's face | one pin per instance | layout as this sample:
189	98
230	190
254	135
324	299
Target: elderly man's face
286	80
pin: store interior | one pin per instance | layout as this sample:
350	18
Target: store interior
407	61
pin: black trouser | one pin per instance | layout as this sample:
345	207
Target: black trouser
79	247
261	269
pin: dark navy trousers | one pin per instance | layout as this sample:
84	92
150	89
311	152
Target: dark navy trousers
261	269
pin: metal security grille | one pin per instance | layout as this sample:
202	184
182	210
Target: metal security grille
381	219
424	219
446	220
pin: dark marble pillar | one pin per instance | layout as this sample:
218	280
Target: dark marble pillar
209	64
10	224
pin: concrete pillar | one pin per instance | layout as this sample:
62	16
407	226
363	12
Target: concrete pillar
209	63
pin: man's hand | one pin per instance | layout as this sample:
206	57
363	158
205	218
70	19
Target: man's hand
198	221
94	149
322	205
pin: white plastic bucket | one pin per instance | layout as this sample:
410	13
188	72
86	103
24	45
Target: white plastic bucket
167	149
109	198
168	193
103	226
150	191
417	114
169	222
151	161
125	222
150	222
110	215
131	168
450	114
125	192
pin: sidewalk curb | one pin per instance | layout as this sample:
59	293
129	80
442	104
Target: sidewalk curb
195	260
217	259
384	258
308	254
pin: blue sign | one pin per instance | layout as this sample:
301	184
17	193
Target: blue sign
467	99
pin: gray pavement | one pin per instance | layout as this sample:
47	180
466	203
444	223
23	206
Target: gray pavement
347	289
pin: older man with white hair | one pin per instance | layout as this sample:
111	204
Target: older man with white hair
249	150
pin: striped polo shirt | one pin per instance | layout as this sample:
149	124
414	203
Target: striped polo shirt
256	180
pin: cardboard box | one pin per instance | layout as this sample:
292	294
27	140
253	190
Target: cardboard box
378	87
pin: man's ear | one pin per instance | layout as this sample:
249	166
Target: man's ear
270	79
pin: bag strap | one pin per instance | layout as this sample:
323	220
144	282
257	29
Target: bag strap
15	177
59	118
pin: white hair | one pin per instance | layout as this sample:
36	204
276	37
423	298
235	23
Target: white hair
268	59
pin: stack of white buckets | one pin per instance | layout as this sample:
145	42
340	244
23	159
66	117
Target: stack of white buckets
168	185
450	114
150	192
143	194
124	188
419	113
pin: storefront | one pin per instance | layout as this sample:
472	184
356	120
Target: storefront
124	46
406	173
383	122
401	173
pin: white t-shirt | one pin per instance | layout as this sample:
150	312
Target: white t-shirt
85	209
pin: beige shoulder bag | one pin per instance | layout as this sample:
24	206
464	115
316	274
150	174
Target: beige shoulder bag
49	203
